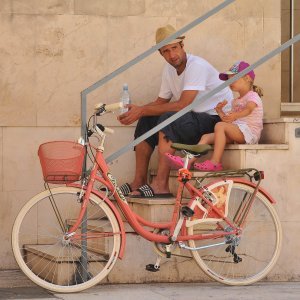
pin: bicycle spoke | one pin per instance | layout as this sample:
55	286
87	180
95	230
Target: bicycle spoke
249	257
56	262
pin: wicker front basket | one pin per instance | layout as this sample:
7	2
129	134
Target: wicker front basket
61	161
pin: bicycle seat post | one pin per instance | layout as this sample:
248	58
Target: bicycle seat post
187	157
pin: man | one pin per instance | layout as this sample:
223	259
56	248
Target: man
184	77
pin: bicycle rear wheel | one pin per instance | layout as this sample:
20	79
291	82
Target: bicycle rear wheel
57	264
257	248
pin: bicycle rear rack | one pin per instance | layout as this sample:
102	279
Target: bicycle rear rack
251	173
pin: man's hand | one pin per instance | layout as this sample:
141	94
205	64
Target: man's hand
133	114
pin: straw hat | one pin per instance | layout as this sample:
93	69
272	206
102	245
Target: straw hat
164	32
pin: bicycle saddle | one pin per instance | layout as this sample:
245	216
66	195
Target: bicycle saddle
193	149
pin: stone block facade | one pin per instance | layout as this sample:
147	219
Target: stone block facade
52	50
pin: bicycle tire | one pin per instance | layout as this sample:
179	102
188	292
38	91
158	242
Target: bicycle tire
56	264
258	247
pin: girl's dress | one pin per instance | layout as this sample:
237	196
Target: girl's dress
251	125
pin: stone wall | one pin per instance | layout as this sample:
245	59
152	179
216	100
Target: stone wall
285	62
51	50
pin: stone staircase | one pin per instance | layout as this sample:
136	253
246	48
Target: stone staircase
278	155
274	141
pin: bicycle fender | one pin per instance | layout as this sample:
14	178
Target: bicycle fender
116	213
249	183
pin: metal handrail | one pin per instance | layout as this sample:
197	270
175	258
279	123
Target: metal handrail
101	82
203	97
140	57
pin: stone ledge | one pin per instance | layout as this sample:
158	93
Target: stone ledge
153	201
290	107
257	147
282	120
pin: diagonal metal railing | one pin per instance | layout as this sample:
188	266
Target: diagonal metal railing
199	98
140	57
202	97
84	93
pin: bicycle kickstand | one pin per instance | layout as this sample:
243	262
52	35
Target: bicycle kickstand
154	267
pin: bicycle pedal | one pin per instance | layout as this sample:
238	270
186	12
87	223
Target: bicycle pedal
152	268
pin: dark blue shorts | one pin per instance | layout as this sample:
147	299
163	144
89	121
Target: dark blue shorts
187	129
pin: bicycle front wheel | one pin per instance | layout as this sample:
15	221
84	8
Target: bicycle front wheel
62	264
247	258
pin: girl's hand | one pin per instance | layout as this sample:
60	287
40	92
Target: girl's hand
220	105
229	118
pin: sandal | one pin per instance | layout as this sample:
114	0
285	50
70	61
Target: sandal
208	166
125	189
176	162
146	191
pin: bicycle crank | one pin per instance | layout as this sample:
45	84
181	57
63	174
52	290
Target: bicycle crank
161	248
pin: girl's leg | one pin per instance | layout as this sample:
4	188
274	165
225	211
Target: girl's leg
225	133
205	139
208	138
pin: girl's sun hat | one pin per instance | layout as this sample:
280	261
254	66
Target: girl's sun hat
235	69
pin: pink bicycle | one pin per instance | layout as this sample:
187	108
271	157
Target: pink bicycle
68	238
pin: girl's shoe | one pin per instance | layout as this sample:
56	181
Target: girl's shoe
176	162
208	166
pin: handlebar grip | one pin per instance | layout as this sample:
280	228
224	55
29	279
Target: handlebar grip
108	130
113	106
100	127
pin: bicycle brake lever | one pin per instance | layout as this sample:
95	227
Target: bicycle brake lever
99	109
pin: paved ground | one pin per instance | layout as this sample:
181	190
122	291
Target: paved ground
14	286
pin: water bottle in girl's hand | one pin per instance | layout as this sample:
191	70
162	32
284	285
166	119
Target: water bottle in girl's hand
125	98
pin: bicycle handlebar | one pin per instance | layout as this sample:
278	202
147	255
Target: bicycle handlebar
101	108
104	128
114	106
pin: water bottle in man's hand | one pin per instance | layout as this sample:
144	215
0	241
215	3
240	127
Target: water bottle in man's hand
125	98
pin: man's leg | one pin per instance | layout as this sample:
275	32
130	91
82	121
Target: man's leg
160	183
187	130
143	152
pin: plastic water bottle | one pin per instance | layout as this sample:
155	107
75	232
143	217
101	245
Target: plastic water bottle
125	98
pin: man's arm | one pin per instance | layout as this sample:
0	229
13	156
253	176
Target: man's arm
157	107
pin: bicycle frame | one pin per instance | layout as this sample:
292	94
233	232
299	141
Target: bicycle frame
89	234
136	221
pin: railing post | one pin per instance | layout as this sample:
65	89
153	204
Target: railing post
83	115
292	28
83	258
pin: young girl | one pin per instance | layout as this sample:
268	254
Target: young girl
243	124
